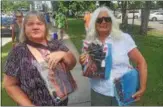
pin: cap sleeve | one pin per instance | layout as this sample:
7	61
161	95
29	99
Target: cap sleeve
130	43
12	65
59	45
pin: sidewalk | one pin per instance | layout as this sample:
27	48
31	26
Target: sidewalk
5	40
81	97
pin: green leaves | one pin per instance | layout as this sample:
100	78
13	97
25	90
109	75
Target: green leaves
8	5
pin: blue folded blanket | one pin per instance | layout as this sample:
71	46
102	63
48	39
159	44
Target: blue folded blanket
126	86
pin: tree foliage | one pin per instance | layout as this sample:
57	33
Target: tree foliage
77	7
8	5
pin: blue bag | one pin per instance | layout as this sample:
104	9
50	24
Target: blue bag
126	86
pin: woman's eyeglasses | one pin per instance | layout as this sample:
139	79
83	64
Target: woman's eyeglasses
107	19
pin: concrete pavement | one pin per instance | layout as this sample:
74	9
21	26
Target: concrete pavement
81	97
5	40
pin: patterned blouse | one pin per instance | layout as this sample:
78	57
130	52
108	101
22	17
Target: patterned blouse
19	65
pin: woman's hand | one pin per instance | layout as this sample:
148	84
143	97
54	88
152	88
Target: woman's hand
138	94
82	58
55	57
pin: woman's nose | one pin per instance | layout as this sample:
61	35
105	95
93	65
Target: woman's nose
103	21
35	26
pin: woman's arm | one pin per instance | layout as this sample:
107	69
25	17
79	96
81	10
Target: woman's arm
15	92
67	57
70	60
141	65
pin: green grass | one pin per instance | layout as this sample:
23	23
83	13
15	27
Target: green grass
5	99
76	32
151	46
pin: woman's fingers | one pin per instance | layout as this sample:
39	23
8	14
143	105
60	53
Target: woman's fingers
138	95
50	63
137	99
54	58
83	58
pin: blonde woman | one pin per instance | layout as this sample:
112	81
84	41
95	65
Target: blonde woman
102	30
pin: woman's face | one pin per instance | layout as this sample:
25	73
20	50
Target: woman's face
103	23
35	29
19	18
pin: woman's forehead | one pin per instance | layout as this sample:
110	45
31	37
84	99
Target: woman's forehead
33	18
103	13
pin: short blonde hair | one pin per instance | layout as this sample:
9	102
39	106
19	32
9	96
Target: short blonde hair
40	16
92	33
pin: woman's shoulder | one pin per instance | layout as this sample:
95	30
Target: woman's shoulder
127	36
18	49
19	46
57	44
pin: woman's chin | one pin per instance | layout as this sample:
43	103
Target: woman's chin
38	37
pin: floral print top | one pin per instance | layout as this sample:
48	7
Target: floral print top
19	65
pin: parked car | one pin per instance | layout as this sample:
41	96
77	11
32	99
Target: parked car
156	16
137	14
5	26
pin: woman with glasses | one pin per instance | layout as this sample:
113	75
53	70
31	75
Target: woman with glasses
16	26
103	29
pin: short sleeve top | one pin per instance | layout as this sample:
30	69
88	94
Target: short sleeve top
19	65
120	64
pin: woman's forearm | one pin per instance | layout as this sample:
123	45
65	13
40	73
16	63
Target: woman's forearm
18	95
142	68
69	60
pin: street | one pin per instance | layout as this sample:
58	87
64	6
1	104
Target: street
157	25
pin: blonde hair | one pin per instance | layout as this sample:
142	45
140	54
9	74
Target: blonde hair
40	16
92	34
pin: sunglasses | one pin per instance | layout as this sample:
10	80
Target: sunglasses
107	19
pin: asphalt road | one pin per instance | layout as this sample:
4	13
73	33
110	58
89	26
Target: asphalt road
158	25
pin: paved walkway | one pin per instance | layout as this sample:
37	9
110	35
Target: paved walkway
81	97
5	40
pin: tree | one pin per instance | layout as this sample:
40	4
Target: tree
105	3
124	15
160	4
14	5
77	7
145	18
7	5
134	5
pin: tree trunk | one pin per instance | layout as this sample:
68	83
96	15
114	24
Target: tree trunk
133	19
145	18
124	15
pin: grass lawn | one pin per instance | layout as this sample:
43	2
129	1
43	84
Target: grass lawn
5	99
151	46
77	32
